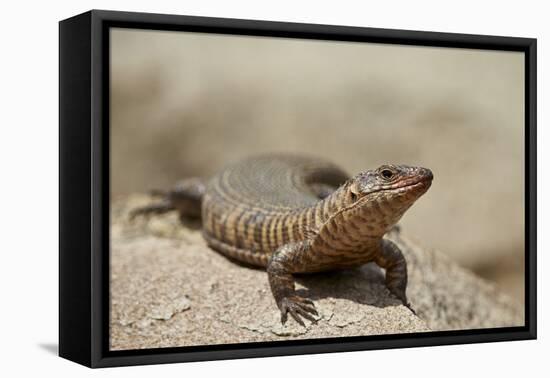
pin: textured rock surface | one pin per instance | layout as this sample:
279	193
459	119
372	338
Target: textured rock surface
169	289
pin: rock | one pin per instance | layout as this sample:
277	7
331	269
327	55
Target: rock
169	289
168	309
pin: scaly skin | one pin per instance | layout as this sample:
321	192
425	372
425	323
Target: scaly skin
293	214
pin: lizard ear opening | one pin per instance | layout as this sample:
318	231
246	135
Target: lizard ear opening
354	191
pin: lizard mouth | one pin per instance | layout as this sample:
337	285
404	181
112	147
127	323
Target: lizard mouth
423	179
414	189
404	186
421	183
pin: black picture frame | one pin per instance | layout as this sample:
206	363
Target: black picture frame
84	187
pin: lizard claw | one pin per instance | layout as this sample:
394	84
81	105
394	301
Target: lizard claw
403	298
297	307
408	305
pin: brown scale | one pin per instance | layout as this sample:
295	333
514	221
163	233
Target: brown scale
292	214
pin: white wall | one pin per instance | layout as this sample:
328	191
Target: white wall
28	156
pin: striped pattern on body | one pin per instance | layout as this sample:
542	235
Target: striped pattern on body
252	208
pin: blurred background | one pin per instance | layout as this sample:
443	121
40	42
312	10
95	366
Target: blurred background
186	104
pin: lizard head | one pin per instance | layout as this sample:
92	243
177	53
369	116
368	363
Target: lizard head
380	197
399	182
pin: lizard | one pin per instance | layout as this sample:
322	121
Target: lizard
291	214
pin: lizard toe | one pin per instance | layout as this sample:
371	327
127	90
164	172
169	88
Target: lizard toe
298	308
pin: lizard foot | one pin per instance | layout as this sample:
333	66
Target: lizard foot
297	306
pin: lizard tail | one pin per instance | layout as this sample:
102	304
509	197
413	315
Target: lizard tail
185	197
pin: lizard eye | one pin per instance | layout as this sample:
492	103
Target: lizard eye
387	174
353	196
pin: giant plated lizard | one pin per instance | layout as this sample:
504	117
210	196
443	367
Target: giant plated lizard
294	214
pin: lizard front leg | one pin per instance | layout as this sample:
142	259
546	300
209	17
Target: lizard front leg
391	259
281	281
